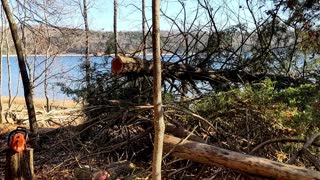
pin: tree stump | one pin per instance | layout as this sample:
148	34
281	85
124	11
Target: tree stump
19	166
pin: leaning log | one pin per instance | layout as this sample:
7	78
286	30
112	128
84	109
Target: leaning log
212	155
19	165
135	65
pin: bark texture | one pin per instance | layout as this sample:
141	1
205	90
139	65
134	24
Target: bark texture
115	24
159	125
86	28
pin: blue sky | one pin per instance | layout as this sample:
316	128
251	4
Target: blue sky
100	13
129	16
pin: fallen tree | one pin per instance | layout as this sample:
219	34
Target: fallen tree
212	155
186	72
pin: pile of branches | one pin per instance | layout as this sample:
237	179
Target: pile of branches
119	127
122	131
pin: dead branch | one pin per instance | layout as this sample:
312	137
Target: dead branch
314	160
305	146
282	140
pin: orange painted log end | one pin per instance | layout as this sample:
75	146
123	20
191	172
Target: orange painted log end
119	63
116	65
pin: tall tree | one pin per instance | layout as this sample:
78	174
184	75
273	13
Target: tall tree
9	76
115	21
157	97
22	67
1	48
86	28
143	29
46	73
29	63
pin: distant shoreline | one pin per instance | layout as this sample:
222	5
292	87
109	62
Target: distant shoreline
60	55
75	55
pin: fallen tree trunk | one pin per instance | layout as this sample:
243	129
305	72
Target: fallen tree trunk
135	65
212	155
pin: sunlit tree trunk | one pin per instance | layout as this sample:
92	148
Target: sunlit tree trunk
22	67
1	50
115	31
46	71
29	64
143	30
9	76
86	27
159	126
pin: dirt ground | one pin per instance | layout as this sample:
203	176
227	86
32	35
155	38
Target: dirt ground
63	111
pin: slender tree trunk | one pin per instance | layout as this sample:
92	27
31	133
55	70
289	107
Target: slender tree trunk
46	73
1	50
9	76
11	99
143	30
115	31
31	69
22	67
46	76
159	126
87	63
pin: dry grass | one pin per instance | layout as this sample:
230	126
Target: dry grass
61	112
19	102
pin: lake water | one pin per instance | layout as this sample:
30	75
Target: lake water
64	69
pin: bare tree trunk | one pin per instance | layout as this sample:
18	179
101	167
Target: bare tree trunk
46	71
22	67
9	77
115	31
144	40
87	63
159	126
46	76
29	64
11	99
1	49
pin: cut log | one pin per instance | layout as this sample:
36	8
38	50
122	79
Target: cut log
121	64
19	165
212	155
